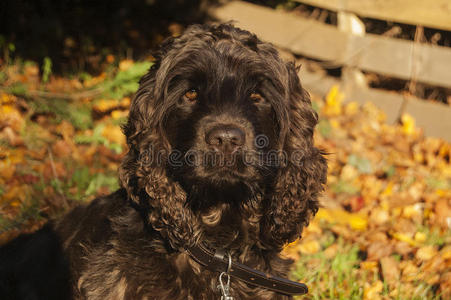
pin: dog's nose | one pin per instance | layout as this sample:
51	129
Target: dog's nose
225	138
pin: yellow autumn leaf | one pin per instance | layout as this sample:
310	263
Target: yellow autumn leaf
104	105
442	193
351	108
358	222
15	193
384	205
369	265
309	247
313	228
355	221
404	238
411	211
408	124
125	102
334	124
6	99
6	171
372	292
95	80
420	237
418	157
15	203
10	116
291	250
333	101
426	253
446	252
125	64
388	190
114	134
117	114
17	156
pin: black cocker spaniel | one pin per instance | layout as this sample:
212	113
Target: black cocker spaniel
221	173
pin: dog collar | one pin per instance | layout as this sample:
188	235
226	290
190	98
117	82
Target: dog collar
218	261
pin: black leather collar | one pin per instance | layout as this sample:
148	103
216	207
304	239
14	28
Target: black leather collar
218	261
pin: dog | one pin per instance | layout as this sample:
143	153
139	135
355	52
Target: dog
221	173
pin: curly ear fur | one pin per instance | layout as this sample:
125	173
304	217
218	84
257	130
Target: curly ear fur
294	199
142	172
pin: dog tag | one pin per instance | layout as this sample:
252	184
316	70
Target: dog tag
225	287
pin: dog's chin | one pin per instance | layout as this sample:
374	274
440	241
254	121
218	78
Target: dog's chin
217	190
226	175
221	183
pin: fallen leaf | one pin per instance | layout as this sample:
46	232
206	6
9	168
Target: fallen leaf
373	291
378	250
331	251
114	134
13	138
118	114
404	238
369	265
410	271
426	252
443	211
125	64
408	124
390	270
379	216
6	171
54	170
61	149
355	221
420	237
333	102
104	105
446	252
309	247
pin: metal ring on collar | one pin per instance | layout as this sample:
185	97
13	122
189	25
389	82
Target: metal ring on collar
229	266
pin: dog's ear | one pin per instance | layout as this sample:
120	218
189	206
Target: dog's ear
294	199
143	169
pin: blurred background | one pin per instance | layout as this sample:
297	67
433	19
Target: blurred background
379	74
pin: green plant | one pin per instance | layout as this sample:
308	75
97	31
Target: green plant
331	278
126	81
87	185
362	164
98	139
345	187
46	69
324	128
8	48
76	113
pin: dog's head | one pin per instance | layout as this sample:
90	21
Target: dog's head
220	117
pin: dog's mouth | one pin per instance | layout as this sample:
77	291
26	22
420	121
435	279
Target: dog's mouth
215	167
223	165
224	174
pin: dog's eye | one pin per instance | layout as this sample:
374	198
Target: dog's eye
256	97
191	95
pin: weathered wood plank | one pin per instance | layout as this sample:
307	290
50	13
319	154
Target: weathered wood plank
429	13
389	102
393	57
433	118
285	30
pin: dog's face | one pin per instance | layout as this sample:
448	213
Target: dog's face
225	109
221	117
